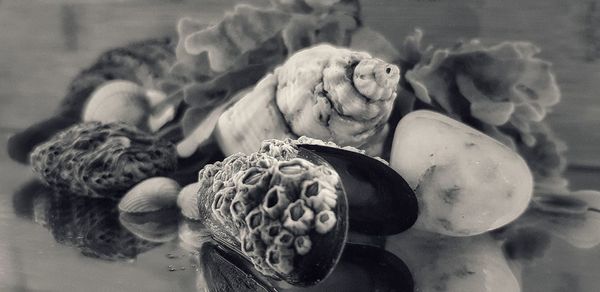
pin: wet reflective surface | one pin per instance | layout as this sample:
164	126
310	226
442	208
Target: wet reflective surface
50	242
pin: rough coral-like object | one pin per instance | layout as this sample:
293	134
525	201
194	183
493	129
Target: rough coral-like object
503	84
215	73
101	160
503	90
240	31
255	202
324	92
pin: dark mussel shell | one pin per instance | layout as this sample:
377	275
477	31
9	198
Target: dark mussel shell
380	201
321	260
327	250
366	268
225	271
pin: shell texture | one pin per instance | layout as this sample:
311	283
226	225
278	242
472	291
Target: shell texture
187	201
90	224
266	201
152	194
101	160
118	101
141	62
324	92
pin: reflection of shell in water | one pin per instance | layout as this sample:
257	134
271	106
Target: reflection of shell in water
160	228
90	224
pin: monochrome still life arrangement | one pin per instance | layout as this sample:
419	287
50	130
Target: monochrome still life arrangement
300	145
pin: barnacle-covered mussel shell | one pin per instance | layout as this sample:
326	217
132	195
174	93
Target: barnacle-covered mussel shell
286	215
101	160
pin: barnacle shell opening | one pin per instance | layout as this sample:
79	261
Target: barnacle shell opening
271	205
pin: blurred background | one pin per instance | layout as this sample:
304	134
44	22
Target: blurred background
44	43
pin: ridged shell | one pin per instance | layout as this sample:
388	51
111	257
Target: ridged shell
323	92
118	100
187	201
251	120
335	94
150	195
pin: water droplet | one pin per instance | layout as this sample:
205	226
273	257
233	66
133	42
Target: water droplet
171	268
171	256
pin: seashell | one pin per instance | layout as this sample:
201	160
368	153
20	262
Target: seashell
267	213
150	195
380	201
187	201
252	119
277	227
341	96
376	79
101	160
118	101
126	101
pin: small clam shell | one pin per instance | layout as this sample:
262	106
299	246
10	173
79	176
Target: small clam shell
187	201
150	195
118	100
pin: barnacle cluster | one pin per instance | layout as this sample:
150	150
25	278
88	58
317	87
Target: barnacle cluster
272	202
101	160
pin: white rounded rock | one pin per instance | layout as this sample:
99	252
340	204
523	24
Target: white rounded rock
466	182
